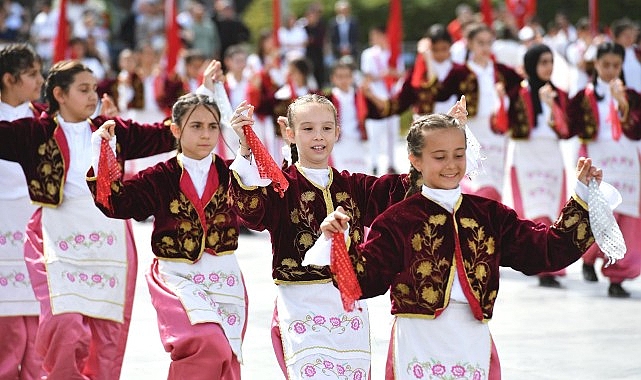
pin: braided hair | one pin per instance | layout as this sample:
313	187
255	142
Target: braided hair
416	143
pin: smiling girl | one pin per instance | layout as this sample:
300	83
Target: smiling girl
82	265
310	328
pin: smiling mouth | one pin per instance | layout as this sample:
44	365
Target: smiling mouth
318	148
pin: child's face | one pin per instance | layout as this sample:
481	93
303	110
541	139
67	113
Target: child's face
481	45
236	63
544	66
342	78
199	133
195	67
314	132
441	51
442	162
80	101
28	87
609	66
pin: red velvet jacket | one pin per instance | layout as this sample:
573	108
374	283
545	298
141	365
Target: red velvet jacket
185	226
416	245
294	220
39	145
523	119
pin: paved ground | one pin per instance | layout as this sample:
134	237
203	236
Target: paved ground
573	333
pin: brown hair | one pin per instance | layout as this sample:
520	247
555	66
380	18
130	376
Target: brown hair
416	142
62	75
306	99
186	105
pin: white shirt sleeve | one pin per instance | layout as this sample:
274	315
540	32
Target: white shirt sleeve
95	149
247	172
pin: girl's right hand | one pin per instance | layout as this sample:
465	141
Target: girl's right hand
243	115
335	222
585	171
107	130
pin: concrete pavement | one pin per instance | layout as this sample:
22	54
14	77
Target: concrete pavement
556	334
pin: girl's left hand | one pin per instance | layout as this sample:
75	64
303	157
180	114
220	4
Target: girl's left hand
618	91
109	108
335	222
585	171
107	130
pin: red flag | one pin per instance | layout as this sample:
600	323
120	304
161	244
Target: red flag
172	33
522	10
593	11
486	11
395	32
62	39
276	18
341	266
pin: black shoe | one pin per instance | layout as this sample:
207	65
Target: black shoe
617	291
549	282
589	274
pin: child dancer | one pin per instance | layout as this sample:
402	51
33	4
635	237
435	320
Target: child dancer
607	118
195	282
20	84
488	87
439	252
311	333
82	265
535	171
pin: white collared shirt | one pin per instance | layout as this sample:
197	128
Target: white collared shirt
78	137
605	126
198	171
488	98
347	112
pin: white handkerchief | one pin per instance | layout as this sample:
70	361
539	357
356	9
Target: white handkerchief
604	227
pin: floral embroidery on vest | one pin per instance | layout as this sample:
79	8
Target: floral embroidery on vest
425	268
470	88
476	265
51	174
189	231
98	280
520	128
331	368
434	369
15	279
589	121
218	216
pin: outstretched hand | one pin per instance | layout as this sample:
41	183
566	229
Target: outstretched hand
335	222
459	110
107	130
585	171
109	108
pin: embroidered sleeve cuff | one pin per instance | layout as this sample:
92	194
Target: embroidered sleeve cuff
247	172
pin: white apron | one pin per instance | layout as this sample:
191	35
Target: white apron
85	254
453	346
210	290
351	154
540	172
493	152
16	295
620	164
320	339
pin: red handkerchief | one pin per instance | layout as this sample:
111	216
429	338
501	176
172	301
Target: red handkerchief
108	171
341	266
267	167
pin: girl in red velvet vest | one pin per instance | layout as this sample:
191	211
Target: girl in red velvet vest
606	116
438	253
535	171
82	265
21	85
195	282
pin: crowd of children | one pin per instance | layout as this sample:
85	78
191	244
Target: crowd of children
435	237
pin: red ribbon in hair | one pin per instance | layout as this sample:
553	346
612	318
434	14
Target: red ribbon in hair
341	266
267	167
108	171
